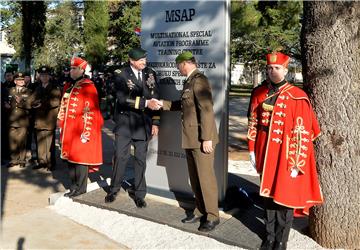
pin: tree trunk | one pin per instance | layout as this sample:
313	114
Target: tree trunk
331	65
27	33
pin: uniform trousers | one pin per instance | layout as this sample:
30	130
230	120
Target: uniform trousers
17	144
203	182
78	176
44	140
121	158
278	221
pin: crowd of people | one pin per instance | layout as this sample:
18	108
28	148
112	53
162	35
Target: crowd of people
29	111
282	127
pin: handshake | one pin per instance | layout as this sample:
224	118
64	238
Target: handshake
154	104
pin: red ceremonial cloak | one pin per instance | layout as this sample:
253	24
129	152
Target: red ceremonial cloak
80	121
282	139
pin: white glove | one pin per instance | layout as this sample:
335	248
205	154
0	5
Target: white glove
294	173
252	160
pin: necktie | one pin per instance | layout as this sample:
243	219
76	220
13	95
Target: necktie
139	76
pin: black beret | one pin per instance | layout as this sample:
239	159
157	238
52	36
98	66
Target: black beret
44	70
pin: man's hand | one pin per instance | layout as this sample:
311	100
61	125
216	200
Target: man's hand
207	147
154	104
252	160
154	130
18	99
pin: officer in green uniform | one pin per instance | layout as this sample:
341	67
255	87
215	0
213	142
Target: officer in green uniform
19	105
48	97
199	138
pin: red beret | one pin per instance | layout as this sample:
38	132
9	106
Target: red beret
277	58
78	62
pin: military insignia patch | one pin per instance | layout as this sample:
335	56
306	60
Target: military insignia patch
273	58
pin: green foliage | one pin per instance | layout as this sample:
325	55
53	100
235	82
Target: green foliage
62	39
125	17
11	22
259	27
96	26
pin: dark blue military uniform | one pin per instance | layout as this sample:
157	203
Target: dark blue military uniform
133	125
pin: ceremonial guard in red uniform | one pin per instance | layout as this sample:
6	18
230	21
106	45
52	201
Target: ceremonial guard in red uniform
282	128
80	122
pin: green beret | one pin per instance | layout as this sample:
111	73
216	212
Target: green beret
137	53
185	56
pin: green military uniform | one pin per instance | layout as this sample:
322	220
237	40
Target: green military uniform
198	124
45	117
18	123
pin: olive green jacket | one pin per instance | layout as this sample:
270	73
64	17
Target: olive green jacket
19	111
197	114
49	98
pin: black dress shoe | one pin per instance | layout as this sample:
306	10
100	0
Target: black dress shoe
38	166
76	193
70	193
208	225
110	197
191	219
267	245
140	202
10	165
280	245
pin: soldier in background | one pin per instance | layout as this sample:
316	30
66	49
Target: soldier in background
31	133
27	79
9	79
48	95
5	108
65	77
19	104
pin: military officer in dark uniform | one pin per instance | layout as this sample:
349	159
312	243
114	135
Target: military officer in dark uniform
65	77
199	138
9	79
19	106
135	85
48	95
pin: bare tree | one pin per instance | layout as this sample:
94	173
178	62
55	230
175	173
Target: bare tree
331	64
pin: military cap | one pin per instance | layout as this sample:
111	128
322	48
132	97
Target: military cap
44	70
19	76
9	70
277	58
137	53
185	56
78	62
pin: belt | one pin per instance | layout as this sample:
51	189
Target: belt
263	128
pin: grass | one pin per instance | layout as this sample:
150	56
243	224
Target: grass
245	90
240	90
